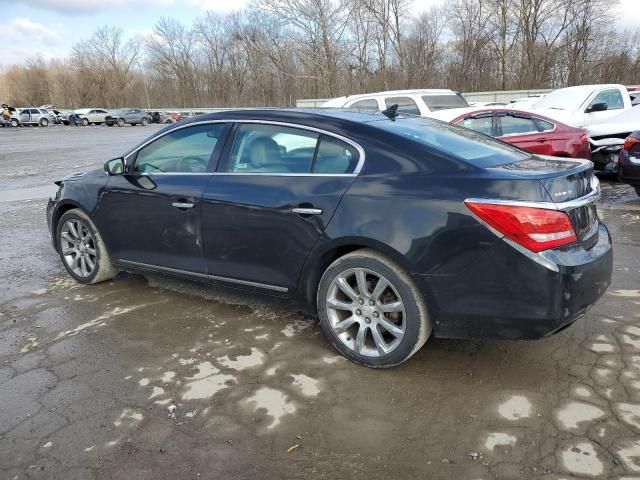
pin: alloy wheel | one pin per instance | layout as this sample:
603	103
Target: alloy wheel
366	312
78	248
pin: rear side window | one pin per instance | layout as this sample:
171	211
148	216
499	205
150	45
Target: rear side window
185	150
517	125
479	124
405	105
369	104
335	156
444	102
467	145
272	149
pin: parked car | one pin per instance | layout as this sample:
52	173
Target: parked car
584	105
525	102
34	116
132	116
608	138
392	229
529	131
629	161
14	119
412	102
175	116
92	115
159	117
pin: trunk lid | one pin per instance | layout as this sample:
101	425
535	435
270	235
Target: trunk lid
571	185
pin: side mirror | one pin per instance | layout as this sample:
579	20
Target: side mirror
597	107
115	166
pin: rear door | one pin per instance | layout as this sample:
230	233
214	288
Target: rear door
150	216
273	196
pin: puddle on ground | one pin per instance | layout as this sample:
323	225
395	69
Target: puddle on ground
582	459
515	408
499	439
275	403
574	413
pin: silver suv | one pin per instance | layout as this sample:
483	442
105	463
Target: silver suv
34	116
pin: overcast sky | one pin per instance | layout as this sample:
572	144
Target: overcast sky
50	27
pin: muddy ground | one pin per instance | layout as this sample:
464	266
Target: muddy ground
88	373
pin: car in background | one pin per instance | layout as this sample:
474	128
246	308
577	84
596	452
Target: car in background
608	138
14	119
160	117
175	116
525	102
132	116
391	228
89	116
584	105
34	116
529	131
410	102
629	161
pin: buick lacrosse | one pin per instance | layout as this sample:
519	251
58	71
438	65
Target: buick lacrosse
391	229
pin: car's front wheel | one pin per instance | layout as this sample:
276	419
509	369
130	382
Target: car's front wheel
371	310
144	122
85	122
82	249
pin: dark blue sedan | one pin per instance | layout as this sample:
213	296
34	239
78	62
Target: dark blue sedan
392	229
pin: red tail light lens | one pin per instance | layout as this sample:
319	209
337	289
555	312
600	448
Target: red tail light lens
536	229
630	142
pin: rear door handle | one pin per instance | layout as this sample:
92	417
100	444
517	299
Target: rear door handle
183	205
307	211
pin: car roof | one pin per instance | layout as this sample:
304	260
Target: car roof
340	101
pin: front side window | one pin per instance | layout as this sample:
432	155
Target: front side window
517	125
405	105
612	97
479	124
185	150
262	148
369	104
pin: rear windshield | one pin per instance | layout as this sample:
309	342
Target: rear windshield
463	143
444	102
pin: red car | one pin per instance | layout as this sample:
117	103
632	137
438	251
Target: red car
529	131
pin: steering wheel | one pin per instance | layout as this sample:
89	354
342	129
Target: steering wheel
191	164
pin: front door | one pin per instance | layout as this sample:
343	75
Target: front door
273	196
150	215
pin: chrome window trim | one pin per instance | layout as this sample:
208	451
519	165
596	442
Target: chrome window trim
358	147
203	275
561	206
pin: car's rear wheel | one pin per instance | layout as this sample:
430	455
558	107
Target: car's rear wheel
43	122
371	310
120	122
82	249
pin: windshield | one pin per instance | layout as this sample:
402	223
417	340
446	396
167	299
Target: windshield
463	143
444	102
565	99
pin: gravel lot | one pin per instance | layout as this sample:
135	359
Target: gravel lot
87	373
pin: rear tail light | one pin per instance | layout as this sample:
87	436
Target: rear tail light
630	142
536	229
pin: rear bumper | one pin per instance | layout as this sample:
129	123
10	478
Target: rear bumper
507	295
628	169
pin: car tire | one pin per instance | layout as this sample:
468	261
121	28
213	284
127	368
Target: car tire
78	243
43	122
85	122
120	122
144	122
15	123
385	342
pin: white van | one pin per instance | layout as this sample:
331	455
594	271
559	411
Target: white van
413	102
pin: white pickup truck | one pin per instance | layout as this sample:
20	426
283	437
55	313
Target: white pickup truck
584	105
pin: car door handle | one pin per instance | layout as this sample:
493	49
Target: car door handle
183	205
307	211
